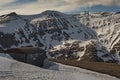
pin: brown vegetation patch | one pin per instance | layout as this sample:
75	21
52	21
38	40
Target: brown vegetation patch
106	68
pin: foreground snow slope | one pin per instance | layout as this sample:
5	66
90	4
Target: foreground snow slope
14	70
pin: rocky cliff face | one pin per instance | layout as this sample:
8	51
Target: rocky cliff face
51	28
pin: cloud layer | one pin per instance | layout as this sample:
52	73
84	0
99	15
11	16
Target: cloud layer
37	6
94	2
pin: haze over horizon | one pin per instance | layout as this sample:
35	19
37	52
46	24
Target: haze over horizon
66	6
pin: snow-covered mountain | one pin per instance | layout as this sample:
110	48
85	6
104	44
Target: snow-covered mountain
106	25
44	30
51	28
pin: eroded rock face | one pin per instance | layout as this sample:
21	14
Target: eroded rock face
84	51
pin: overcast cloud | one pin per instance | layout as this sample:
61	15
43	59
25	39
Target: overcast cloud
37	6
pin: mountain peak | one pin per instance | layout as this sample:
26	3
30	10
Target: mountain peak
52	13
12	14
8	17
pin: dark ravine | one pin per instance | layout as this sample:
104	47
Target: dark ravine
30	55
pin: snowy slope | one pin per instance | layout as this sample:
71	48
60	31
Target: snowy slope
14	70
5	55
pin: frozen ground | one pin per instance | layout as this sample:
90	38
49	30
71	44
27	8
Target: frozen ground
14	70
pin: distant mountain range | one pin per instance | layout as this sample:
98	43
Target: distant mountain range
85	36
